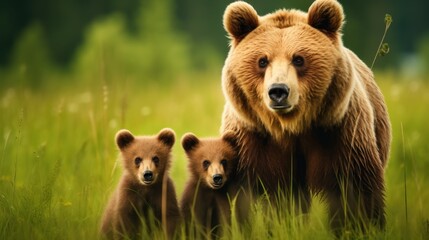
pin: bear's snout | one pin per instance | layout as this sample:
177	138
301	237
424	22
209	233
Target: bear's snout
217	179
148	176
278	93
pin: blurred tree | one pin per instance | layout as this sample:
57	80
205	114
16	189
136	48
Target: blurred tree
63	22
364	27
154	52
423	53
13	19
30	60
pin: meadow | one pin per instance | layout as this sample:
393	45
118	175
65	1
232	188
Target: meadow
58	159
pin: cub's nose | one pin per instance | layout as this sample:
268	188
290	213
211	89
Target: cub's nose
217	179
148	176
278	92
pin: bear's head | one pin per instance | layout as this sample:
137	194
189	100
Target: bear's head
211	160
146	158
280	68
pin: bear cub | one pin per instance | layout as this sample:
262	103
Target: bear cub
205	202
145	188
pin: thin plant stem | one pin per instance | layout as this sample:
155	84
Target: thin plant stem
405	180
388	21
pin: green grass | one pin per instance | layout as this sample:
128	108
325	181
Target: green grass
58	160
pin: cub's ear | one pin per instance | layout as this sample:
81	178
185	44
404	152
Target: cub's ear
167	136
124	138
231	138
189	142
326	15
239	19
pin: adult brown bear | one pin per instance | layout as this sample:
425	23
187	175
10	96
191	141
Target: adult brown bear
306	111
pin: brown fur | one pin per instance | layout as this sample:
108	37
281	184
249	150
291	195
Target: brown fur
205	206
330	135
137	197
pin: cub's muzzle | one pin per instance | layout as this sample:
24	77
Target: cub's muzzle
148	176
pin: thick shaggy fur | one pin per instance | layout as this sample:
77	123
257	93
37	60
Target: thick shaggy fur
330	135
137	198
205	203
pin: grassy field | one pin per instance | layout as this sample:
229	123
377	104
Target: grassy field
58	157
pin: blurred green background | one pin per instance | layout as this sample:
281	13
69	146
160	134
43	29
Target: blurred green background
73	72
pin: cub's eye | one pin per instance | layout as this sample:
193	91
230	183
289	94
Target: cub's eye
298	61
263	62
223	163
206	164
137	161
155	160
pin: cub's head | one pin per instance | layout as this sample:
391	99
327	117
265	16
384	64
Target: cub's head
281	65
211	160
146	158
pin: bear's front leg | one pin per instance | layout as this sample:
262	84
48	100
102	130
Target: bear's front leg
355	206
127	221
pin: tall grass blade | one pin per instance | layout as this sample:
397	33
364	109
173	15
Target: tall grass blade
405	180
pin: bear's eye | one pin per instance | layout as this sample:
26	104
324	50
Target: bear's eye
223	163
206	164
137	161
263	62
155	160
298	61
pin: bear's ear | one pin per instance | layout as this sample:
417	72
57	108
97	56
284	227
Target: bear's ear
239	19
124	138
326	16
230	138
189	141
167	137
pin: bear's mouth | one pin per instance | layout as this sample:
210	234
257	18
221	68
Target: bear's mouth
284	107
216	186
147	182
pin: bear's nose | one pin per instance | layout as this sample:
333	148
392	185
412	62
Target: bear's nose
278	92
148	176
217	179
